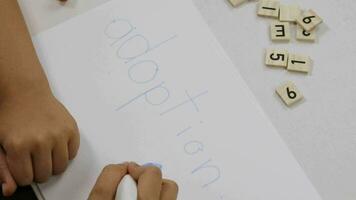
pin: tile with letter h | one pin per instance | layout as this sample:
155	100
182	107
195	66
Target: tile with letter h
309	20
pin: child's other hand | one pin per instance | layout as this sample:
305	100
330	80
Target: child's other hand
38	135
149	180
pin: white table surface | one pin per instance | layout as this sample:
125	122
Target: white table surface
321	131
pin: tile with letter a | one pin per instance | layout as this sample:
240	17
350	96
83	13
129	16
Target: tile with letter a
289	93
236	3
289	13
309	20
268	8
299	63
276	57
280	31
303	35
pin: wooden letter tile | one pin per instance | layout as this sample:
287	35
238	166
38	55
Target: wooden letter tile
236	3
268	8
289	93
299	63
304	35
309	20
289	13
280	31
277	58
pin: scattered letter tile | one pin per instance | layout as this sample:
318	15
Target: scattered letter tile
289	93
280	31
289	13
309	20
299	63
236	3
268	8
304	35
277	58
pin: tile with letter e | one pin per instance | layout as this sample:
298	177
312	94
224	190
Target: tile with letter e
299	63
309	20
307	36
289	13
280	31
268	8
236	3
276	58
289	93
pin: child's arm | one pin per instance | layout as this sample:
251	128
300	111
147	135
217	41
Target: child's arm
20	70
38	134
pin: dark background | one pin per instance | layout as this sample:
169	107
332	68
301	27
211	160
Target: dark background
22	193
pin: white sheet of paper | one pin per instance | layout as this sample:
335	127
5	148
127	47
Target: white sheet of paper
147	81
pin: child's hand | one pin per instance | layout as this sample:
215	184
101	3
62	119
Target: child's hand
38	135
149	180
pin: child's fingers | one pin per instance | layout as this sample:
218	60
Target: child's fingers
20	166
72	135
169	190
8	183
108	181
42	164
60	157
149	181
73	143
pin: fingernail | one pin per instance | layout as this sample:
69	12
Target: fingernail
134	164
124	164
153	164
3	187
